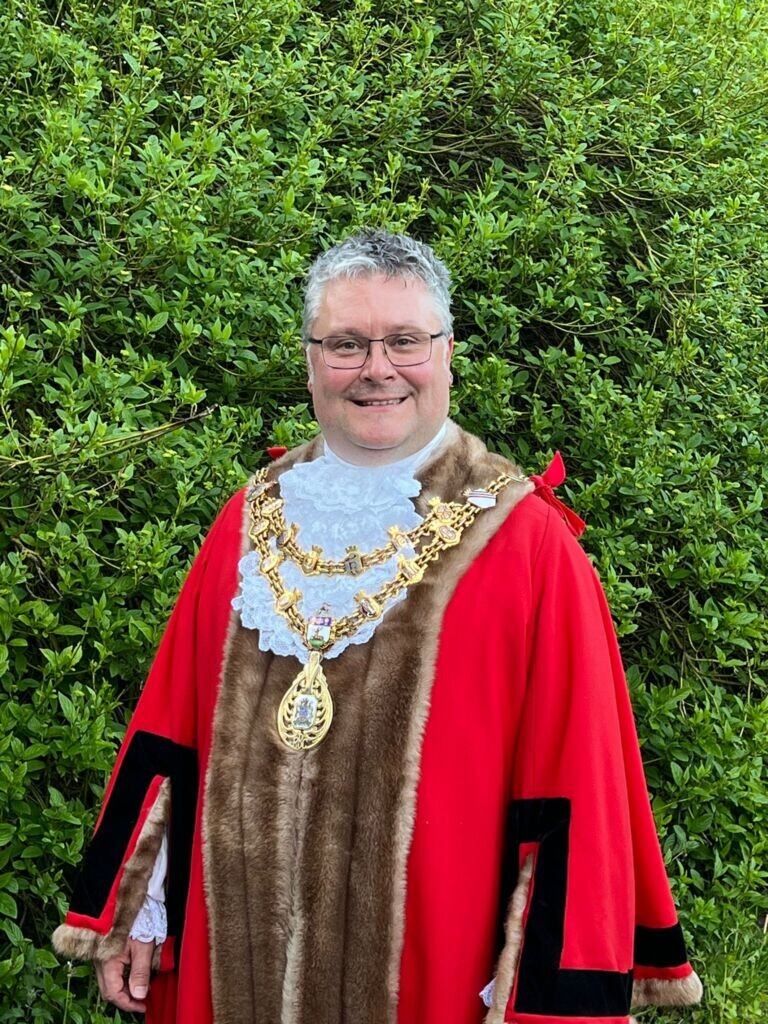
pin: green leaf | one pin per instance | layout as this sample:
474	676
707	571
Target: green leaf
68	708
132	63
7	905
45	958
157	321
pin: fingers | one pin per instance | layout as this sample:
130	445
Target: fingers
127	995
141	966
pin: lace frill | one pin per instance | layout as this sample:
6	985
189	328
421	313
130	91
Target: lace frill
151	922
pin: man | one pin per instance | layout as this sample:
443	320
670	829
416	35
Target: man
387	732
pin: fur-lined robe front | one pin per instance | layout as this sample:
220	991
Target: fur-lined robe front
478	807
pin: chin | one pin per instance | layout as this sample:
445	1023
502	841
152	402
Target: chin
379	435
379	442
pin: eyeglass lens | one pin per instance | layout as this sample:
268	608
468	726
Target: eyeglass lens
402	349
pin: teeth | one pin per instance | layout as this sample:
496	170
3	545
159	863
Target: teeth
391	401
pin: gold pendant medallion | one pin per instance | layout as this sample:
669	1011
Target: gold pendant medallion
306	711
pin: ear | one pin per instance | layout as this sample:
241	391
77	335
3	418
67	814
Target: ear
449	352
310	370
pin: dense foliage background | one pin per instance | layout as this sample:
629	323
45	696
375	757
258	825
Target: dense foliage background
594	174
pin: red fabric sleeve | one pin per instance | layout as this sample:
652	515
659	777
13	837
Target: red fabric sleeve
163	735
581	804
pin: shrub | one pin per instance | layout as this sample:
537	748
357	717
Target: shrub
594	175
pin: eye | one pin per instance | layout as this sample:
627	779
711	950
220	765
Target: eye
343	346
404	341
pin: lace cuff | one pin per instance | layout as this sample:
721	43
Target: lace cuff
151	923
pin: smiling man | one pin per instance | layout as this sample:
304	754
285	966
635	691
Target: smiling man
378	401
384	769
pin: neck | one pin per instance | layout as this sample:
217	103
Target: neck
384	457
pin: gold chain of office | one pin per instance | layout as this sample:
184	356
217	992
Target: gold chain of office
306	710
445	524
266	514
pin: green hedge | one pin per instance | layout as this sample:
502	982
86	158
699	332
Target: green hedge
595	175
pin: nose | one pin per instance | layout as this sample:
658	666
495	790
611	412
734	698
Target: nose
377	365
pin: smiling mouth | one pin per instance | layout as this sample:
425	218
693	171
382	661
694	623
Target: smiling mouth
374	403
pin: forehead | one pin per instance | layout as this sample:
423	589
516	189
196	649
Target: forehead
376	304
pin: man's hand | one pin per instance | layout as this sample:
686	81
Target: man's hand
130	993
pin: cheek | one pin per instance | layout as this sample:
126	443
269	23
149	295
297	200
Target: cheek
325	393
430	387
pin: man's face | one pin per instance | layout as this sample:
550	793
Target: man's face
377	434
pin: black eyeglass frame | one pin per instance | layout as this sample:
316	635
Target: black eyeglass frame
395	334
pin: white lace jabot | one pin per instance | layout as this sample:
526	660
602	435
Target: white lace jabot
335	504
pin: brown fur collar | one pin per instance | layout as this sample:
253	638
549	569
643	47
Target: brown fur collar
305	854
84	944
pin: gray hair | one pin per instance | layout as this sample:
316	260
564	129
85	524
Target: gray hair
373	251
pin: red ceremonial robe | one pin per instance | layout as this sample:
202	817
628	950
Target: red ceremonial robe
525	847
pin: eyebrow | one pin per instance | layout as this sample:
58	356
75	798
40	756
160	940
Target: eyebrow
360	334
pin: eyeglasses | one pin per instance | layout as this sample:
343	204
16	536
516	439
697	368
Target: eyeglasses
349	352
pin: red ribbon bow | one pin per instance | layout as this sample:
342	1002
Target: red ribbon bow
552	477
276	452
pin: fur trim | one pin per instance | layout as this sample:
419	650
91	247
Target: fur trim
86	944
76	943
306	853
459	454
506	970
667	991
